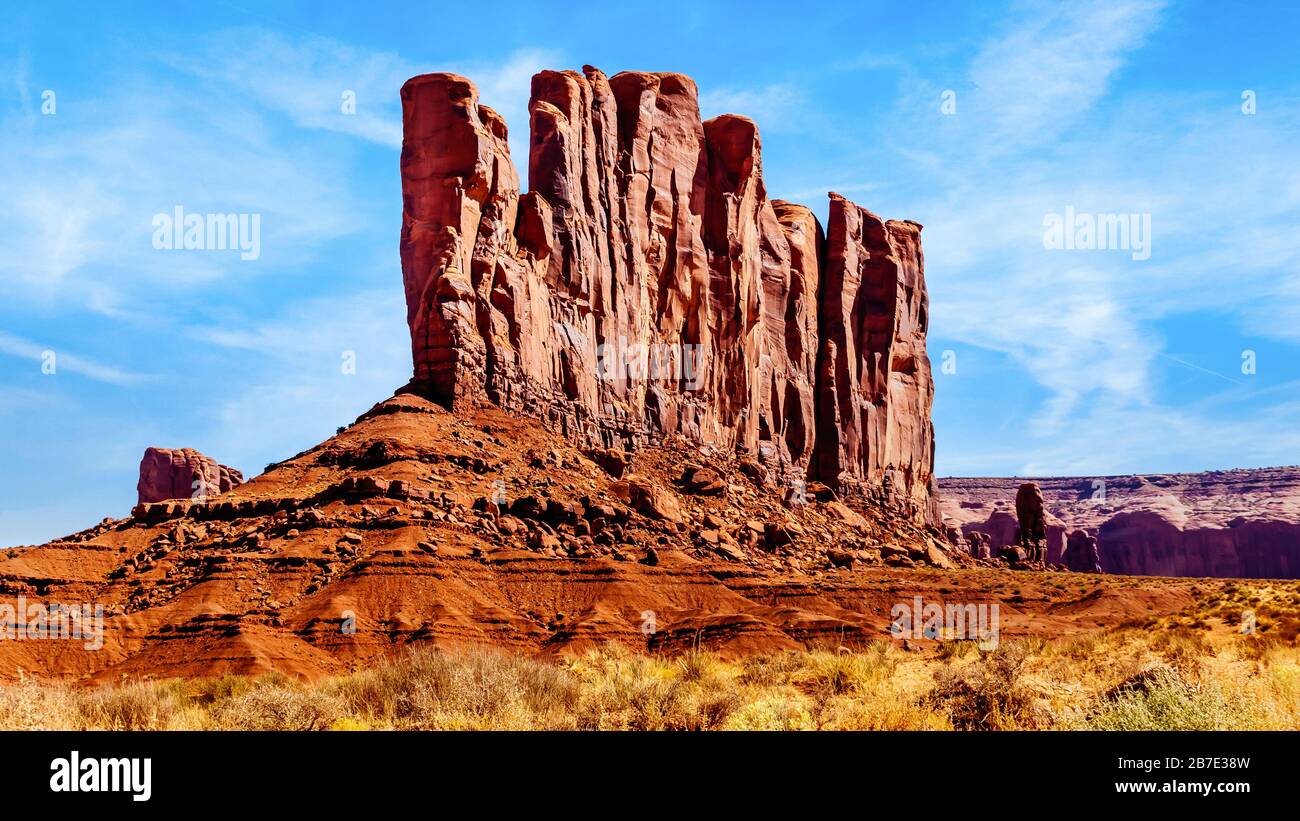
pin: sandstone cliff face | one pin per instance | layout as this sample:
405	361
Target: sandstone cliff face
646	285
875	388
1228	524
182	474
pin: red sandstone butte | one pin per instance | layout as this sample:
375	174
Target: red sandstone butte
182	474
647	286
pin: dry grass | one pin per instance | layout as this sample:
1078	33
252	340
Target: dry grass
1179	676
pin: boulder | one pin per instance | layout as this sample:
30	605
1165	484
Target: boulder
702	480
648	499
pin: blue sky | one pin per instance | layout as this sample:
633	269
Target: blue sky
1067	361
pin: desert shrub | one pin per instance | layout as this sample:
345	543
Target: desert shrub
274	704
884	710
772	712
1165	701
135	705
1183	647
207	692
957	649
986	694
770	669
1119	679
623	691
475	689
696	665
825	673
31	705
1081	648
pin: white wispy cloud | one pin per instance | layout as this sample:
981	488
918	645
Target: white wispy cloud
1047	69
1049	127
306	78
817	191
776	107
83	186
66	361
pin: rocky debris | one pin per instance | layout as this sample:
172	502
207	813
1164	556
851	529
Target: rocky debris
647	286
780	534
900	560
1081	553
937	558
846	514
702	480
429	529
819	492
729	550
795	497
756	471
182	474
841	558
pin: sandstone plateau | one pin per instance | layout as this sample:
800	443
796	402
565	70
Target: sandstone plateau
1234	523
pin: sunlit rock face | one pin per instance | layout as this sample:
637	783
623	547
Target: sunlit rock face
646	285
182	474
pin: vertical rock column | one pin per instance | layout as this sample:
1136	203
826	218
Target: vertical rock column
459	199
875	390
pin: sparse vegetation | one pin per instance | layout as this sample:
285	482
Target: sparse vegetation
1178	677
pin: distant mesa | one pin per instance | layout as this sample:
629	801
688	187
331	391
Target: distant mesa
1226	523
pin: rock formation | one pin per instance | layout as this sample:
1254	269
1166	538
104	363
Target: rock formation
980	544
182	474
1031	530
875	390
1234	523
646	285
1081	553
